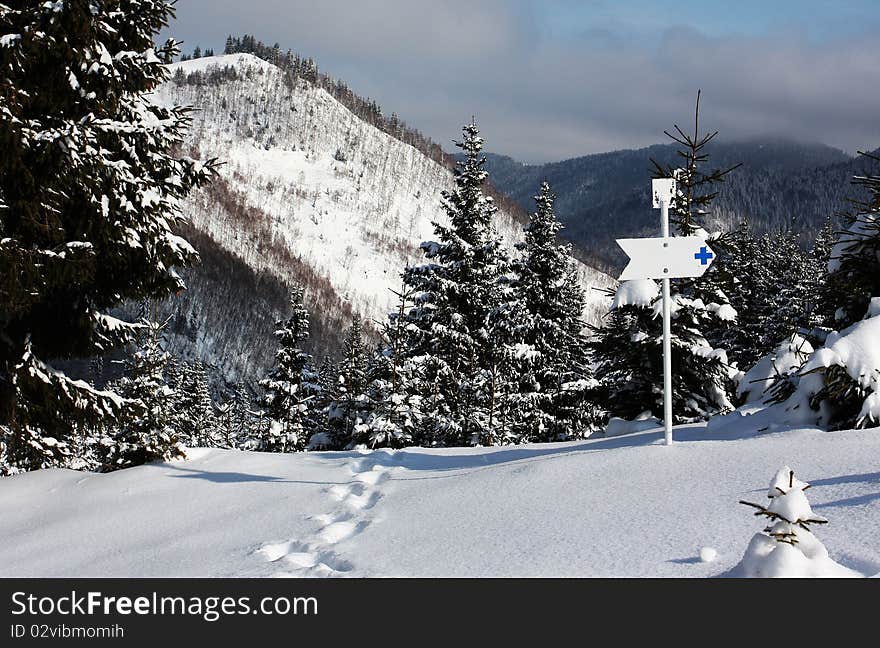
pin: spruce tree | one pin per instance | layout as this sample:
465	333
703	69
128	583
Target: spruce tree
816	316
854	267
196	420
627	348
773	291
550	362
393	409
624	350
147	433
291	384
237	420
90	190
702	313
462	282
346	409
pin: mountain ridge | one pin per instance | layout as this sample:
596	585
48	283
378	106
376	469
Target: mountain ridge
306	184
604	196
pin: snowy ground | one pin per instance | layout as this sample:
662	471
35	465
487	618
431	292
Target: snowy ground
623	506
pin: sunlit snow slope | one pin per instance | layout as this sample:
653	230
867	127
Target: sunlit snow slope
623	506
325	187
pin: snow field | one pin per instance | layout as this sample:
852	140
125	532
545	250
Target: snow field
622	506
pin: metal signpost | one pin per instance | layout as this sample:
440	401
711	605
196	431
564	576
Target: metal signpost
666	258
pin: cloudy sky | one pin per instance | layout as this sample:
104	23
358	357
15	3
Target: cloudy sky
552	79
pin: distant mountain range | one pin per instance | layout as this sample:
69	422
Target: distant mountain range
607	196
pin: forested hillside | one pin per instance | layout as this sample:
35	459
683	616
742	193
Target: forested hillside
308	192
606	196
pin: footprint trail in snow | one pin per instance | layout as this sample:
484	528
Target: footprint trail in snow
354	502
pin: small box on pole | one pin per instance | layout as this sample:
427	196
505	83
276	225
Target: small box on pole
662	190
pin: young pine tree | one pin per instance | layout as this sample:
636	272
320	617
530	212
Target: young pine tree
291	384
787	548
462	282
347	408
90	190
550	402
627	348
701	308
393	409
147	432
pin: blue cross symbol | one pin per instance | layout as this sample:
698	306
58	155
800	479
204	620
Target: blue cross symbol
703	255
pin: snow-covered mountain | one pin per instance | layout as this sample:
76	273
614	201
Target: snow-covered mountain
310	192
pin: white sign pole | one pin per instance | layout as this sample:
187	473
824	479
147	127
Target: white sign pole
667	329
666	258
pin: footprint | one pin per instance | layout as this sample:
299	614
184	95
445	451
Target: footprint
361	465
276	550
339	531
318	558
324	569
330	518
303	559
374	477
363	502
341	491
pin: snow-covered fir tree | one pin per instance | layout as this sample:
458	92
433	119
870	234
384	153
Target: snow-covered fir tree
854	268
291	384
147	431
195	417
237	420
773	293
627	347
347	407
816	317
320	406
839	385
462	282
627	350
624	349
89	194
393	409
550	358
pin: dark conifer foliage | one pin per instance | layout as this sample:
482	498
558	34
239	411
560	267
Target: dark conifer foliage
455	291
291	384
854	267
89	193
550	401
700	309
350	385
147	432
393	408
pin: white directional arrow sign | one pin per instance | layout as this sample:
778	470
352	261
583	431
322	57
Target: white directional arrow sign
666	258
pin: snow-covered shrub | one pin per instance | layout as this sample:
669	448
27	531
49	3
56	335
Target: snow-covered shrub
774	377
849	365
854	267
787	547
837	387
